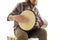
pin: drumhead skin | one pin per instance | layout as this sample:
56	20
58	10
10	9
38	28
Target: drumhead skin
31	20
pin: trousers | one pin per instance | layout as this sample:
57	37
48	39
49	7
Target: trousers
36	33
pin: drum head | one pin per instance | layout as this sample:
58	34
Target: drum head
31	20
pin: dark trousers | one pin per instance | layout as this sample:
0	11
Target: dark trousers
36	33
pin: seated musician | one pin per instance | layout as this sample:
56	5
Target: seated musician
38	31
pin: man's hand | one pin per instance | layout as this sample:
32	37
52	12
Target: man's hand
45	23
20	18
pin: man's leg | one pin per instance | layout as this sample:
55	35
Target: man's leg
39	33
20	34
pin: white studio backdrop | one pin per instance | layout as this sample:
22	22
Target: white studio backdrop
49	9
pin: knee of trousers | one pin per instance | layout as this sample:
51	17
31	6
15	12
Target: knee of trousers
43	32
19	33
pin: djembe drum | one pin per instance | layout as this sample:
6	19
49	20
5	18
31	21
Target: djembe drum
31	20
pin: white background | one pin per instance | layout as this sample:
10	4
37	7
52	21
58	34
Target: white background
49	9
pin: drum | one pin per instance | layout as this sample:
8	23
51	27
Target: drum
31	20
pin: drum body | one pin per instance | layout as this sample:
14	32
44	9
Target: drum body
31	20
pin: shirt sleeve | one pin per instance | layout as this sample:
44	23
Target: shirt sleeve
14	12
39	19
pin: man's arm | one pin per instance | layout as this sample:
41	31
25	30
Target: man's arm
14	12
43	22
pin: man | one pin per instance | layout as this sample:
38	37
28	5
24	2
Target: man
38	32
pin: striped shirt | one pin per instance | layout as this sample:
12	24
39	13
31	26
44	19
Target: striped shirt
24	6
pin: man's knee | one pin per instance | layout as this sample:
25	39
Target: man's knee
43	34
20	34
43	31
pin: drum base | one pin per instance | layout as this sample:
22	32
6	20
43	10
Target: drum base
11	38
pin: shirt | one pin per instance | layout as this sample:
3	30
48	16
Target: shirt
24	6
